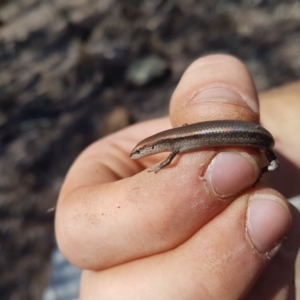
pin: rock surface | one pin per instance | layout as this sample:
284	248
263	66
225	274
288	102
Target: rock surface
68	66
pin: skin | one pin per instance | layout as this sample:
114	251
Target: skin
196	229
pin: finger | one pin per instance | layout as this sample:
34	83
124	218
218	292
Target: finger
280	108
107	159
151	213
219	87
278	279
213	264
214	87
283	104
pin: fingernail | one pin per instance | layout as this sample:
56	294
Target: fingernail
231	172
224	94
268	218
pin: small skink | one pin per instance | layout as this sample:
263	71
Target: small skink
205	135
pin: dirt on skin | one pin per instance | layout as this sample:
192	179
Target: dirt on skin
74	71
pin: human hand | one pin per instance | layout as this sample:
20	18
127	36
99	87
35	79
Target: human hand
280	110
194	230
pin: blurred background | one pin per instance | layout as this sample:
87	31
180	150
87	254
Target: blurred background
72	71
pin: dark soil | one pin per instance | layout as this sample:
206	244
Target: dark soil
73	71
